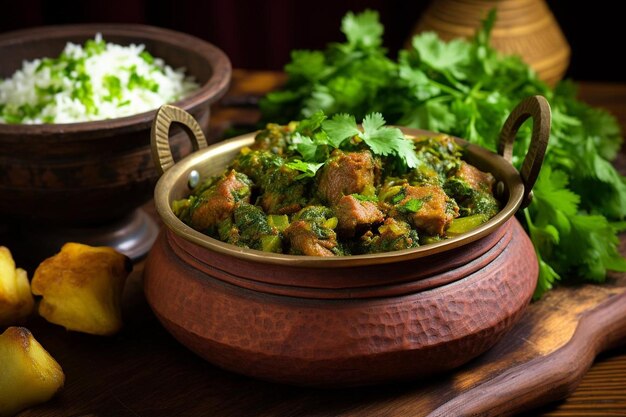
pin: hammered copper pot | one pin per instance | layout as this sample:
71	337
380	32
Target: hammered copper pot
351	320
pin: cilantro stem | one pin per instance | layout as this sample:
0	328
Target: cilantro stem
473	93
462	88
450	90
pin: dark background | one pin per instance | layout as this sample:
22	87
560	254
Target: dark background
259	34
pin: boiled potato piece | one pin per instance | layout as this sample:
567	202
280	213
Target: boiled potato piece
28	374
82	288
16	301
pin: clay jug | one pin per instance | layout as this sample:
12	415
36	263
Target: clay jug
523	27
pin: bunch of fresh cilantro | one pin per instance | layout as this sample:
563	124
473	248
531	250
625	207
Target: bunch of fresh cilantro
467	89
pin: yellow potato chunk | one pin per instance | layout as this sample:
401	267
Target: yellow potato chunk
16	301
82	288
28	374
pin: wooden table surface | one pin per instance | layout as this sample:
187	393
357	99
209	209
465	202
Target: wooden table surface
143	371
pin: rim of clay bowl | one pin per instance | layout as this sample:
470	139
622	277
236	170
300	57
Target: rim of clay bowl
173	184
213	89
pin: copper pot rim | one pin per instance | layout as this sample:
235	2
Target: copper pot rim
212	90
175	178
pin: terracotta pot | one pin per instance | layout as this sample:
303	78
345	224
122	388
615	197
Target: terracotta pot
523	27
351	320
93	172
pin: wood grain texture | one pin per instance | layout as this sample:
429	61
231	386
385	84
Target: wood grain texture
144	372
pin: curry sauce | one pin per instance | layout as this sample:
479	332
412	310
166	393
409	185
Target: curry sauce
355	203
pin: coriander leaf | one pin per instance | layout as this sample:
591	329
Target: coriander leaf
605	131
305	146
310	125
601	186
417	81
551	189
619	226
363	29
398	197
412	206
94	47
320	99
308	169
372	122
306	65
406	151
114	87
146	56
592	248
483	34
543	241
387	140
547	277
434	116
339	128
444	57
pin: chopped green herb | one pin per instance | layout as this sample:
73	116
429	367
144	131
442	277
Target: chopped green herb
137	81
48	91
146	56
308	169
94	47
412	206
398	197
114	86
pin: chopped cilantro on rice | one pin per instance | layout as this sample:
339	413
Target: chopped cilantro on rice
96	81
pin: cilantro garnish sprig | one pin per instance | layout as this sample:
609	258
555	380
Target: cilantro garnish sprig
316	137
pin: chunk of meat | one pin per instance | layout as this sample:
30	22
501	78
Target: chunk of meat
475	178
346	173
282	192
393	235
274	138
437	157
249	228
218	202
256	164
472	190
433	212
305	240
353	214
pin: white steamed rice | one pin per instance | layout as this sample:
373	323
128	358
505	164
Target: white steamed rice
92	82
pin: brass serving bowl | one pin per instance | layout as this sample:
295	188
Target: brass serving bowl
343	320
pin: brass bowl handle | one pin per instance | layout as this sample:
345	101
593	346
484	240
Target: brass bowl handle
538	108
160	135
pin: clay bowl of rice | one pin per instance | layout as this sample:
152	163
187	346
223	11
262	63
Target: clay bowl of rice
75	118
